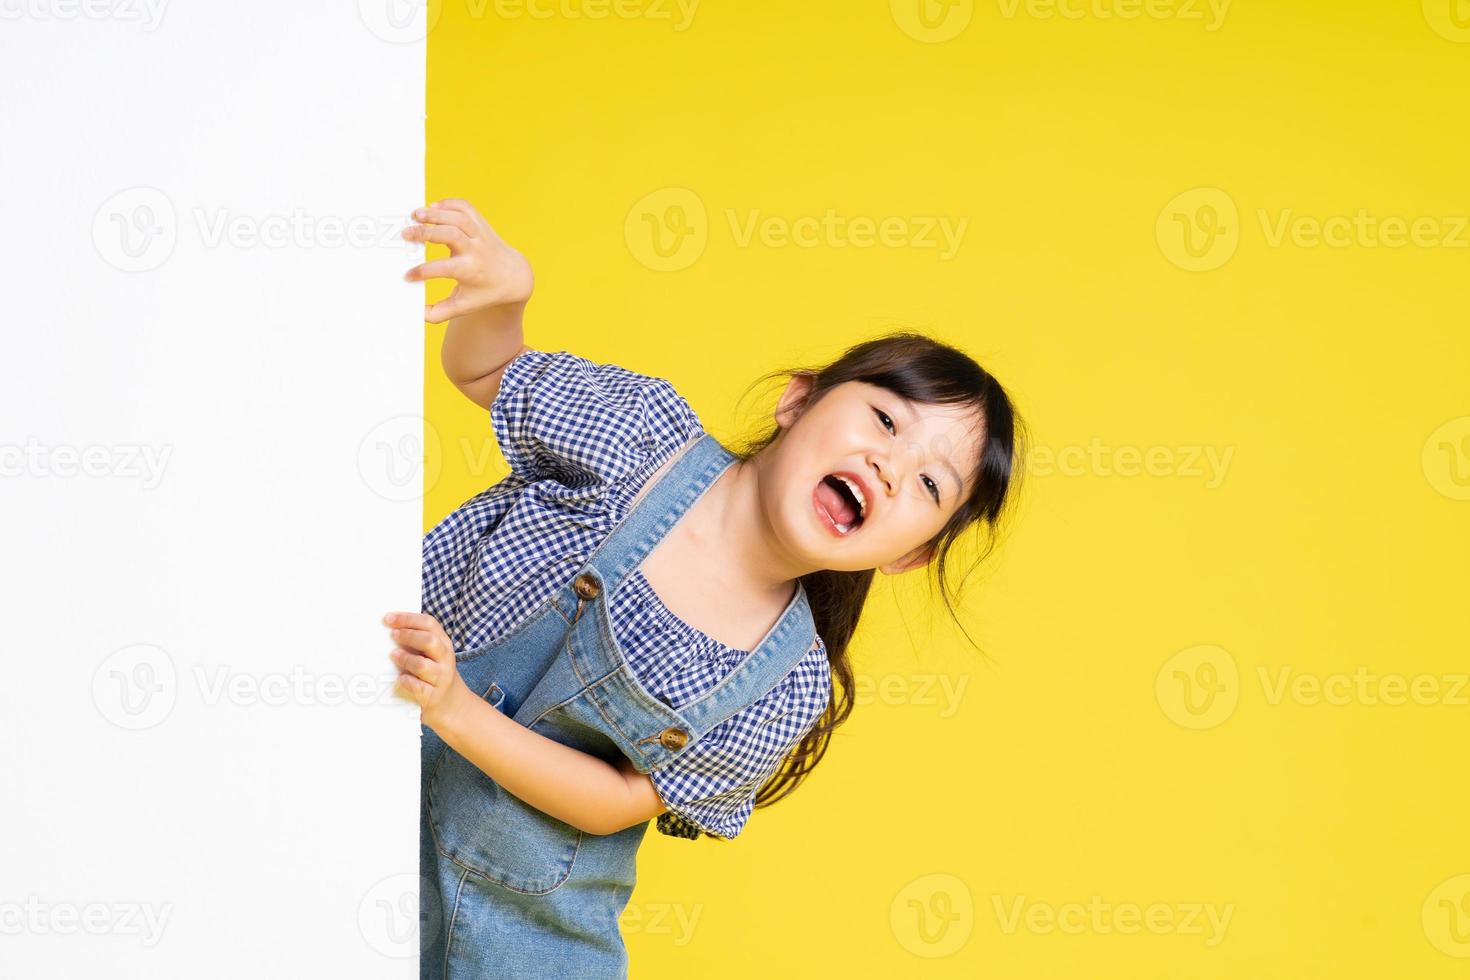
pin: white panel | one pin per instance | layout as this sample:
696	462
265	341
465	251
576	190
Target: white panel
209	488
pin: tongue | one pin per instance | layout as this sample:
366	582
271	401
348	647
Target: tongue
836	504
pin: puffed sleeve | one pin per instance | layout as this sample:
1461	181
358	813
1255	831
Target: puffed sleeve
562	417
711	787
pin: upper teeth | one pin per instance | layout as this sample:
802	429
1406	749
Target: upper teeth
857	492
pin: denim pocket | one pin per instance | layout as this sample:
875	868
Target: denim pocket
492	833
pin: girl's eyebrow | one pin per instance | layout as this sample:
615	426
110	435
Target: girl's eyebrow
954	473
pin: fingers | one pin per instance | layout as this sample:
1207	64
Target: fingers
421	667
450	268
428	642
443	216
413	620
456	204
410	688
441	234
421	632
447	308
464	207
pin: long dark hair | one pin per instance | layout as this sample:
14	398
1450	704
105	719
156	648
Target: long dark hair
921	369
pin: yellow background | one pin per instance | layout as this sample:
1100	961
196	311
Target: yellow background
1077	765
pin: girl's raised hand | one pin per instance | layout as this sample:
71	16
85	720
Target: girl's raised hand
487	272
427	673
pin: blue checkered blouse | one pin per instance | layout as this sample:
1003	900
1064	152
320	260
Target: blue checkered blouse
581	439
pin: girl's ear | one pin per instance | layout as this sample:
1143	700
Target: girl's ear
793	398
917	558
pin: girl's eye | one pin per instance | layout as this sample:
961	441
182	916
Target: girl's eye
933	488
885	420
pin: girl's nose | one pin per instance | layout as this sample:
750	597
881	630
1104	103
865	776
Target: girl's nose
883	474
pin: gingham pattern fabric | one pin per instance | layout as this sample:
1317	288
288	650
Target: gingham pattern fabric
581	439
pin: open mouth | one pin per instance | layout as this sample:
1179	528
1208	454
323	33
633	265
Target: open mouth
840	503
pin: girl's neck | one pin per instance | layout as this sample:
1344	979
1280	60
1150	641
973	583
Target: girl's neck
730	521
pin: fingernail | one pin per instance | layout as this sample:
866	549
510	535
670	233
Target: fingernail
420	213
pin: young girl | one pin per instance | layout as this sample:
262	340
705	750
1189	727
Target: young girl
638	622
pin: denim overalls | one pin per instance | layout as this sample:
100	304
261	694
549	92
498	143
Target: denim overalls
505	889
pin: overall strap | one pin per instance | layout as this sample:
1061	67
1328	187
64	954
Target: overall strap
697	468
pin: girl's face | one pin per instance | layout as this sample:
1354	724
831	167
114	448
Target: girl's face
863	478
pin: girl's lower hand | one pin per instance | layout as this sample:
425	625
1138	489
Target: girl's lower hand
427	673
486	271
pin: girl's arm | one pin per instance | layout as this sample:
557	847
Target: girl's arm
595	796
493	283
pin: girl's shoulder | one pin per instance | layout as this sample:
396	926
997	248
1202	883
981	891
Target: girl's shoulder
562	416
